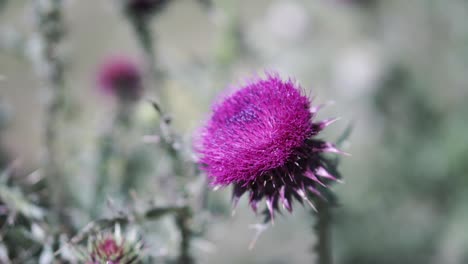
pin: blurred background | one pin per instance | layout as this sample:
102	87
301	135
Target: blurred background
396	70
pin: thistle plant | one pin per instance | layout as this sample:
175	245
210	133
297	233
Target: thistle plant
262	140
265	142
122	79
139	14
113	247
104	246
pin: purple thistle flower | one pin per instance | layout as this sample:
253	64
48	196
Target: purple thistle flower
143	8
121	77
112	249
108	249
262	140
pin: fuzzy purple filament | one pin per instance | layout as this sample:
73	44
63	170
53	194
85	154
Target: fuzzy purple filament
262	140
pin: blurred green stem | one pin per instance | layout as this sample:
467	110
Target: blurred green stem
2	4
183	218
108	153
146	40
50	25
170	140
322	231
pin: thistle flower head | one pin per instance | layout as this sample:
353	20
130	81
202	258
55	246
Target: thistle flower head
121	77
261	139
112	248
143	8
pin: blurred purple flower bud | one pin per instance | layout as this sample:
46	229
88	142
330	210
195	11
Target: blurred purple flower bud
121	77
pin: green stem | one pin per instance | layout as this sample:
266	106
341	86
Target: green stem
108	153
147	42
183	219
322	229
169	138
51	28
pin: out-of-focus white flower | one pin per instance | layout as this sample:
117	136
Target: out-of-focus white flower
357	70
285	24
287	20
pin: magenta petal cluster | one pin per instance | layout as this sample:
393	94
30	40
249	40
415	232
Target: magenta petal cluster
262	140
121	77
